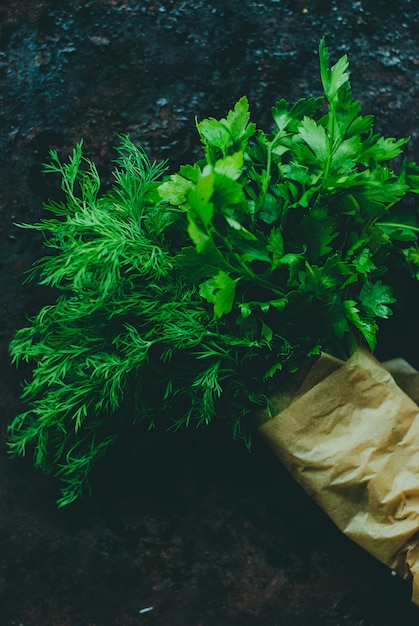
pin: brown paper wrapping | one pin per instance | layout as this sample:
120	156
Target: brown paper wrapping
350	437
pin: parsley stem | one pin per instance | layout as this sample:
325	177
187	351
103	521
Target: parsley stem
266	178
330	139
398	225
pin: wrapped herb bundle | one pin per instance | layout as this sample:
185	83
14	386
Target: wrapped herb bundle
195	296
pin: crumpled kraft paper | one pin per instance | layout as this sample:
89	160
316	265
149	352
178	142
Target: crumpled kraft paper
350	437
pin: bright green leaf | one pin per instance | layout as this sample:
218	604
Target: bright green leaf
199	237
375	298
219	290
175	189
231	166
367	327
315	137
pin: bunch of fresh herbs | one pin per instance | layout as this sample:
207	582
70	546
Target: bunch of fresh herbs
190	297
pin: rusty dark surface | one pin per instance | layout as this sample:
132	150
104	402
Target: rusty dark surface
194	532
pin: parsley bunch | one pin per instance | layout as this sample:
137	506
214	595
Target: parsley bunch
191	297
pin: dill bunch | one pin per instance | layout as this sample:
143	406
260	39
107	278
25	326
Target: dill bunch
128	338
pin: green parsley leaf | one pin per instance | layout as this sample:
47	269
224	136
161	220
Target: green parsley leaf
375	298
219	290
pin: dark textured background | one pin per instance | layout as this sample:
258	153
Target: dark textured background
201	531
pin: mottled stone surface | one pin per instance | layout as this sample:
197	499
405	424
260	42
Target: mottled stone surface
197	533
